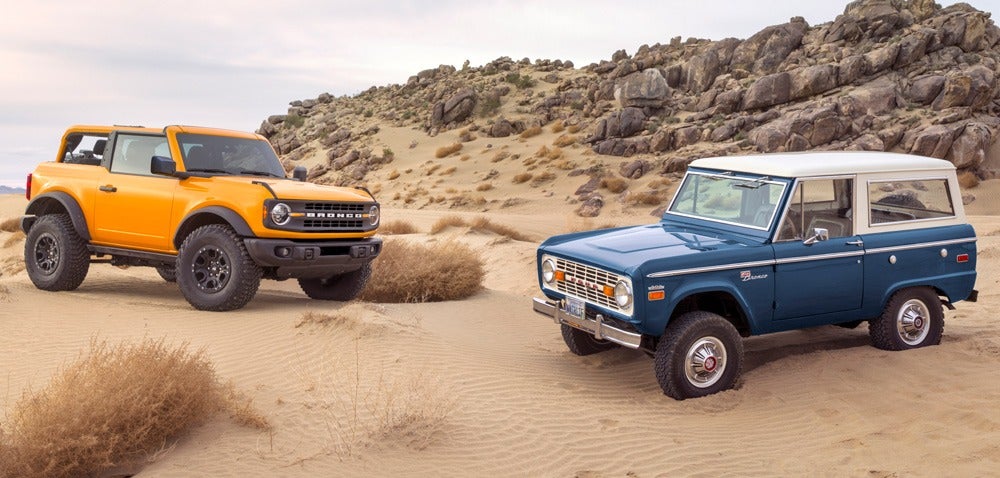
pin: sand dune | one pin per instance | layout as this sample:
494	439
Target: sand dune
486	387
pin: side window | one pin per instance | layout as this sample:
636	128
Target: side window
819	203
133	153
898	201
85	148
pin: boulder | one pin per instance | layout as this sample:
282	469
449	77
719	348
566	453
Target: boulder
591	206
624	123
811	80
926	88
933	142
768	91
686	136
881	59
501	128
647	88
851	69
763	52
974	87
634	169
969	149
460	106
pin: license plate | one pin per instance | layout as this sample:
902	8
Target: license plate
575	307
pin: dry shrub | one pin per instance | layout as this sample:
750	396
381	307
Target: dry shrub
500	156
522	178
11	224
446	150
542	152
367	404
555	153
565	165
432	169
484	187
448	171
543	178
482	224
531	132
564	140
573	128
113	407
393	174
558	126
413	272
647	198
966	179
446	222
397	227
242	410
614	184
464	157
15	238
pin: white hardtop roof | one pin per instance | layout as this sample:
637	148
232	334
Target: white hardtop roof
824	163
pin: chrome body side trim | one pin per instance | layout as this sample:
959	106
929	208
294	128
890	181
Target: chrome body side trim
721	267
922	244
599	329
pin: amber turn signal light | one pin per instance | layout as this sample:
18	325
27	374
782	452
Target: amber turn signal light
656	295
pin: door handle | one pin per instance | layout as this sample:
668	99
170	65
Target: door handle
858	243
108	188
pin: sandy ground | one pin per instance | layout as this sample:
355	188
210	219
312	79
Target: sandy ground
490	389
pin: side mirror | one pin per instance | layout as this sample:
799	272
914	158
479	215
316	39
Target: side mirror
163	166
300	173
819	235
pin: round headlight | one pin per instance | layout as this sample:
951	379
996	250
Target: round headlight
281	213
548	271
623	294
373	215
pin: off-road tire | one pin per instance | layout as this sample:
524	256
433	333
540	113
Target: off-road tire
55	256
689	338
342	287
214	270
582	343
913	318
168	273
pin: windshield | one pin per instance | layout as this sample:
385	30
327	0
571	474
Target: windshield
227	155
742	201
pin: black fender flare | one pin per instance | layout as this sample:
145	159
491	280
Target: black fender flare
208	215
46	204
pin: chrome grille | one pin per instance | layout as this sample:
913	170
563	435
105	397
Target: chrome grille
586	283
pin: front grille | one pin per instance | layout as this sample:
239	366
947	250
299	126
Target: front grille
332	224
587	283
333	207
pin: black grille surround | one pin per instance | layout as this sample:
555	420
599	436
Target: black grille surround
322	216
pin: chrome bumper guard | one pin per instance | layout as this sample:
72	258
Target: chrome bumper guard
598	328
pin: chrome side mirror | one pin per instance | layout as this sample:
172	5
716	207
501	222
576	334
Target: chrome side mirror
819	234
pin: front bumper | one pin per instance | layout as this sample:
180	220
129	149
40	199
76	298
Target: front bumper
312	259
598	328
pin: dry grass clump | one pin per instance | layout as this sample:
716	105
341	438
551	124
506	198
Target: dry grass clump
522	178
564	140
448	171
446	150
11	224
112	407
397	227
393	174
446	222
966	179
646	198
500	156
558	126
543	178
531	132
573	129
412	272
614	184
481	224
484	187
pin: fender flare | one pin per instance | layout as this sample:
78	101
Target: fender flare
200	217
43	204
712	286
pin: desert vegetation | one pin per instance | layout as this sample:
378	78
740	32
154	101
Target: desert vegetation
447	150
396	227
113	407
414	272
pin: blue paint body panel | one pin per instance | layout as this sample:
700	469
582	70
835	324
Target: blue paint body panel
777	285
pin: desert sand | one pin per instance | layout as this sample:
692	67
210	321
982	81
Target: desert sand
488	387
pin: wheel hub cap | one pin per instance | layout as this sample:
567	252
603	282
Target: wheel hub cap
47	254
705	362
211	269
911	322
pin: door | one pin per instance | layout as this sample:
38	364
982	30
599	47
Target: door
817	275
134	207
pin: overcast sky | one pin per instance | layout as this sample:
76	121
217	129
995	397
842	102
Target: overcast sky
230	64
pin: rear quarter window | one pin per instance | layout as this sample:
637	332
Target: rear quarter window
911	200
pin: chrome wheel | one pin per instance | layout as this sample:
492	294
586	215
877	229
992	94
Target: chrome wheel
212	269
47	254
705	362
912	322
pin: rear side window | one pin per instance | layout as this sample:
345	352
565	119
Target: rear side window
133	153
85	148
914	200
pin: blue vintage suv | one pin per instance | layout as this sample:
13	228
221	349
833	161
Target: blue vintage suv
758	244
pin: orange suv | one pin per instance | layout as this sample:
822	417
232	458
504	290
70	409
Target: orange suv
210	209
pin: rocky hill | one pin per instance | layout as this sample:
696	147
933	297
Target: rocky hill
887	75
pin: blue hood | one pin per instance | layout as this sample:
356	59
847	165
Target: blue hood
658	246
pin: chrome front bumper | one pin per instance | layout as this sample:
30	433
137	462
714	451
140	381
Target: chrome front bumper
598	328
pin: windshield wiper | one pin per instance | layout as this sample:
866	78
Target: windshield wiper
250	172
755	184
207	170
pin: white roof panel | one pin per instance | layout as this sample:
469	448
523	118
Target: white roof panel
823	163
